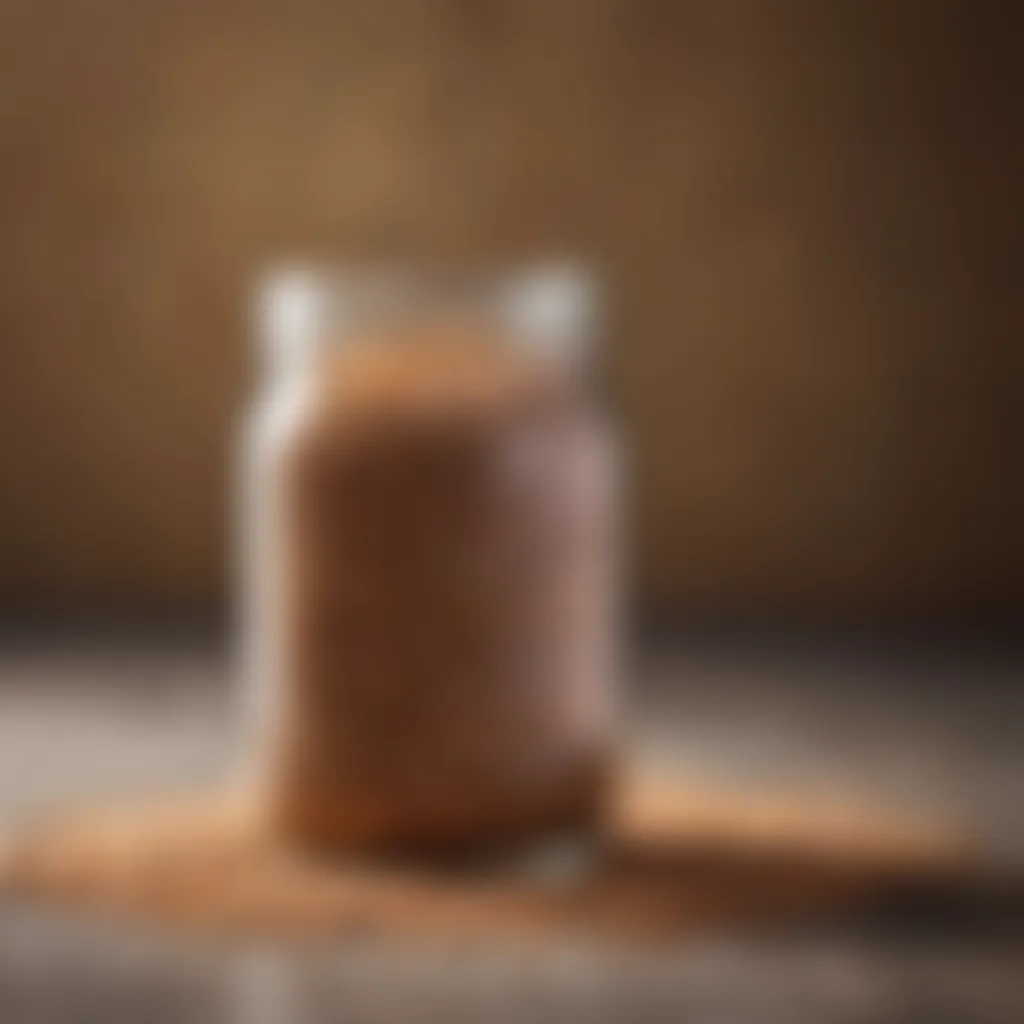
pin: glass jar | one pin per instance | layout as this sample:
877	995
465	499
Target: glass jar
429	586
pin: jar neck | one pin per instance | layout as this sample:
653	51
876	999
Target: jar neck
307	313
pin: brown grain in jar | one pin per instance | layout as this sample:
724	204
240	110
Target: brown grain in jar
431	590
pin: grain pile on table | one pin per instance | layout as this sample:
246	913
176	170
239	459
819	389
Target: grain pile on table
678	862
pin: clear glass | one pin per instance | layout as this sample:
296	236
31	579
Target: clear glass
429	590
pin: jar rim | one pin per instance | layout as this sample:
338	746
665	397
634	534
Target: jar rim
550	306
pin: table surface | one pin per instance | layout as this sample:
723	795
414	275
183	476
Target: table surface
918	732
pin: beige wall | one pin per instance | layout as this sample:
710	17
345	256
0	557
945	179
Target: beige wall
811	214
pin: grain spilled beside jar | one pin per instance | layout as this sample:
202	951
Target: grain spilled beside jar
429	593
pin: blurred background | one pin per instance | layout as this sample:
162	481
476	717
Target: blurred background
808	214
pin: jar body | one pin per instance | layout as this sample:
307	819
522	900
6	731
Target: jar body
430	608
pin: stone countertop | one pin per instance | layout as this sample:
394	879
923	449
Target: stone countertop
939	735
